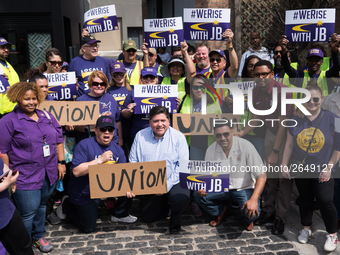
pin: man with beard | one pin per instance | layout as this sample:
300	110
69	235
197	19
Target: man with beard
279	71
202	58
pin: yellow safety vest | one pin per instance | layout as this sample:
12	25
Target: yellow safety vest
180	84
223	93
7	106
322	82
135	76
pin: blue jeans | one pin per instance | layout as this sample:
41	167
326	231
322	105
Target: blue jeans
337	197
214	203
31	205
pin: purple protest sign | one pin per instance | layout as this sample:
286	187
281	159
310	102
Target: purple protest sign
210	183
4	85
101	19
62	86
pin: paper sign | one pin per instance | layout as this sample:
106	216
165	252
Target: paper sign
205	23
148	96
310	25
139	178
167	32
72	113
207	175
243	86
62	86
101	19
199	124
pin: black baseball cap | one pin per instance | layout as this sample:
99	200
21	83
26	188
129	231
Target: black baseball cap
105	121
89	39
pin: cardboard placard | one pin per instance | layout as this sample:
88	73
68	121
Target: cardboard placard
114	180
199	124
72	112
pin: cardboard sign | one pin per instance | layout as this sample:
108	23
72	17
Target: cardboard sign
205	23
72	113
167	32
149	96
139	178
62	86
243	86
198	124
207	175
101	19
310	25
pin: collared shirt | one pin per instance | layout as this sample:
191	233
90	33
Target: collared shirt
23	140
171	147
263	101
332	103
242	153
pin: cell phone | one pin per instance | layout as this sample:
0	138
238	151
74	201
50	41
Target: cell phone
14	171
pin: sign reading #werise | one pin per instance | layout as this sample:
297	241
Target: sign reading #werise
205	23
62	86
101	19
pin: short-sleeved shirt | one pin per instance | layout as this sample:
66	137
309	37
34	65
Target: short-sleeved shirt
202	71
263	101
85	151
84	68
129	67
23	140
119	94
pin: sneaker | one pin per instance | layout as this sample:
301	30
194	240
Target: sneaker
43	245
53	219
196	210
331	242
59	210
305	234
127	219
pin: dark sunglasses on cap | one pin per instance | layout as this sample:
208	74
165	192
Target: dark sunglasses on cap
315	100
219	135
148	76
54	63
104	129
96	84
218	60
115	75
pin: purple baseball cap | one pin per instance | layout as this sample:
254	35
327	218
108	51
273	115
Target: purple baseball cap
221	52
105	121
89	39
149	71
117	67
315	53
3	41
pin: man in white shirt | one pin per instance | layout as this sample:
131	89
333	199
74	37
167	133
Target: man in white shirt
246	184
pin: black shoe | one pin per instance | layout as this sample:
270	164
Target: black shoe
53	219
174	229
279	227
263	218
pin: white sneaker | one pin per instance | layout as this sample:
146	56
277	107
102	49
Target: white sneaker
61	215
331	242
305	234
127	219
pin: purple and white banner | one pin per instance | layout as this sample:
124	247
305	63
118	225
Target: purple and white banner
167	32
101	19
4	85
310	25
62	86
149	96
208	175
205	23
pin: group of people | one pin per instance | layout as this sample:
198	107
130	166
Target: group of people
39	148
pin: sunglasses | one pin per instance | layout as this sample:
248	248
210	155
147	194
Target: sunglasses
218	60
151	55
195	87
315	100
54	63
219	135
277	52
131	50
176	65
96	84
110	129
115	75
151	77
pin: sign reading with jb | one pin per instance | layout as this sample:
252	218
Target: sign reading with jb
205	24
149	96
310	25
163	32
62	86
101	19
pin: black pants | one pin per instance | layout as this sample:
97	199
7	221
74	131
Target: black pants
323	192
157	207
15	237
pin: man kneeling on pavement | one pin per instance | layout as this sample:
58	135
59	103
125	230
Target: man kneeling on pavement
246	184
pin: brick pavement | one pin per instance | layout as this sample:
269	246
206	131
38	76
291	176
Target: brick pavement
197	238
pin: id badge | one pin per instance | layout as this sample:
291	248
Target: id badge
46	150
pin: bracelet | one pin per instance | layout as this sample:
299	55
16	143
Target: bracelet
276	151
61	162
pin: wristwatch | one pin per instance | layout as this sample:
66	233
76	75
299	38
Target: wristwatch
230	49
61	162
276	151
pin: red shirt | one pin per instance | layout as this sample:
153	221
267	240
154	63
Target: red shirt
263	101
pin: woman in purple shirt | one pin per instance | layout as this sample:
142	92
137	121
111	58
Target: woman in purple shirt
30	139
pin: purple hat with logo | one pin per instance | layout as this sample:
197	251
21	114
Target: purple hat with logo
117	67
149	71
221	52
105	121
315	53
3	41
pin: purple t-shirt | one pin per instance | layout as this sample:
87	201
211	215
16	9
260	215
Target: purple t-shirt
6	208
201	71
119	94
86	151
129	67
23	140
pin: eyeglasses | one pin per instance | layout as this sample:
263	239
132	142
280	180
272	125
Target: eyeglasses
115	75
261	75
96	84
219	135
176	65
277	52
218	60
92	46
151	77
194	87
54	63
314	99
131	50
110	129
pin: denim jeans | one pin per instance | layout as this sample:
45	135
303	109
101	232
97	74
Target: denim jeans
31	205
337	197
214	203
